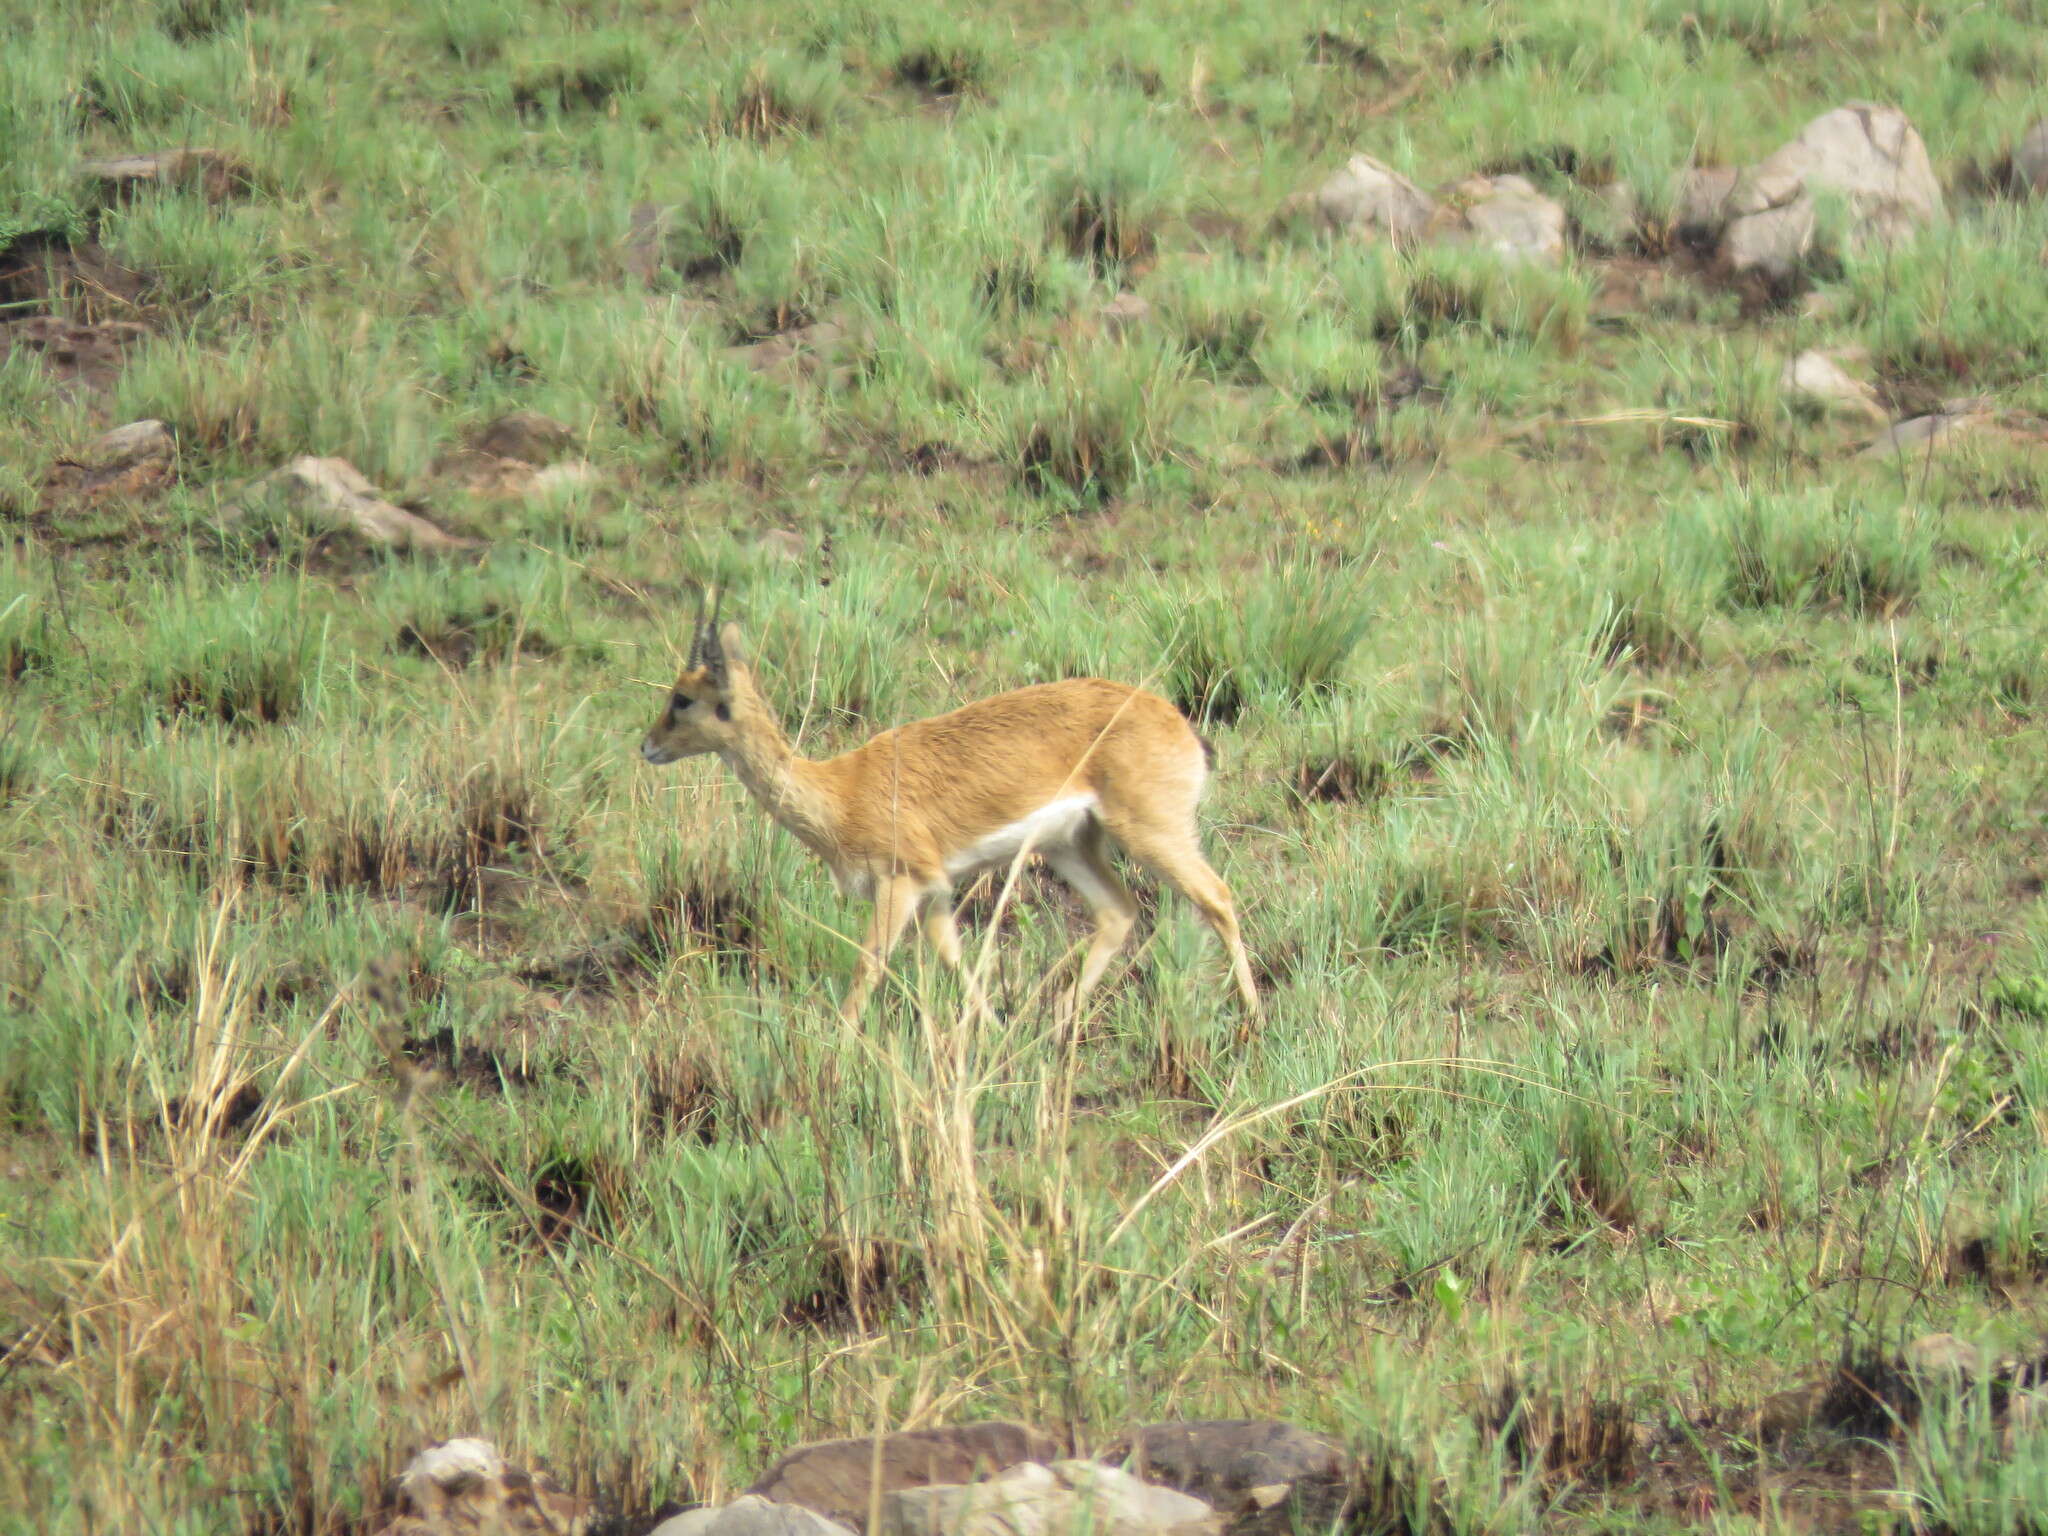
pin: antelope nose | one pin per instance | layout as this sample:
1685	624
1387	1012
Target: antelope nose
650	751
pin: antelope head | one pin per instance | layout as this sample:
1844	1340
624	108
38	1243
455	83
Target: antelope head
699	715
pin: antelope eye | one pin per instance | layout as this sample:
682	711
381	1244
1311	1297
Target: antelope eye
679	701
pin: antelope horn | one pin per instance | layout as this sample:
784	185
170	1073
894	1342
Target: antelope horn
696	636
714	649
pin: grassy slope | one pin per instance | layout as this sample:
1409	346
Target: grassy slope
1658	972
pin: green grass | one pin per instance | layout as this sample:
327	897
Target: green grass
1634	798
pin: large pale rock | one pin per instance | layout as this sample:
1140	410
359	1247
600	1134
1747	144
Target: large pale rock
1870	156
1505	215
1069	1498
1372	201
838	1478
751	1515
1265	1474
2030	159
466	1488
333	493
1820	377
1873	156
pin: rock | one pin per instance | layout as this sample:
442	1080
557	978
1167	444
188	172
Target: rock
1069	1498
135	443
527	436
1506	215
837	1477
1372	201
1923	434
1125	312
128	461
783	544
1119	1502
1817	375
1770	229
751	1515
218	176
2030	159
1870	156
1941	1360
465	1488
1273	1476
333	494
1703	206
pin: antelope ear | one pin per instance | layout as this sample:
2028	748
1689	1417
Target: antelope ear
733	645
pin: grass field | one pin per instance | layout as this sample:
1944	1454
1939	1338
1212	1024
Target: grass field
1635	796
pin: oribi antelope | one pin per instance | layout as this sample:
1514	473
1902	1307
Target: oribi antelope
1059	769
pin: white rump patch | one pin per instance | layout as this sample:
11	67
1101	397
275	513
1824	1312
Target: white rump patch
1048	829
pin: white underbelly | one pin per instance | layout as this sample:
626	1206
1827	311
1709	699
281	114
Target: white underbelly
1052	826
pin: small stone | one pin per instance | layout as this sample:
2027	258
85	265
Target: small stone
527	436
1372	201
134	443
2030	159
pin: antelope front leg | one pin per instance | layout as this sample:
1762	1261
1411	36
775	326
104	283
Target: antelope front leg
895	904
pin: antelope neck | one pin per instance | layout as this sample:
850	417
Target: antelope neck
764	761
